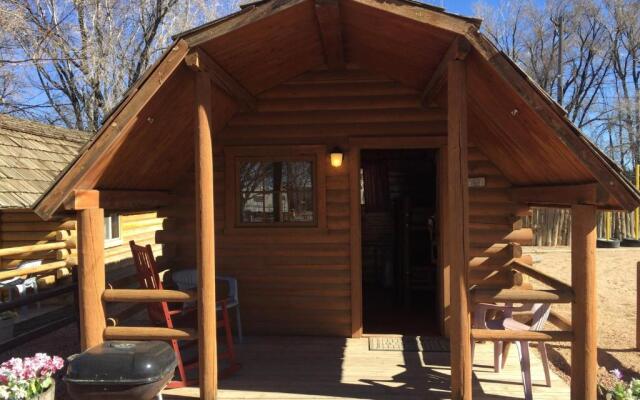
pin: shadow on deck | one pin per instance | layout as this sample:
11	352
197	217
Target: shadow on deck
285	368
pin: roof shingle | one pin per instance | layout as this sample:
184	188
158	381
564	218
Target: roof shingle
31	157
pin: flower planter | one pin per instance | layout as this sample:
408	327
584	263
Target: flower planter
50	394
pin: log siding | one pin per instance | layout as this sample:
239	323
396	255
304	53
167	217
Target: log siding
298	280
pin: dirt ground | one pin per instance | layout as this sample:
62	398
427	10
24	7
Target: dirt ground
616	305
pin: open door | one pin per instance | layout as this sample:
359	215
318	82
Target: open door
400	242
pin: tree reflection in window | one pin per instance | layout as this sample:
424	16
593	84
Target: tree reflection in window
276	192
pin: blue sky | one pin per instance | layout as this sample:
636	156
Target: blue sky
464	7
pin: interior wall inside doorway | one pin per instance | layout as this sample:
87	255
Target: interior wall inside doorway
399	241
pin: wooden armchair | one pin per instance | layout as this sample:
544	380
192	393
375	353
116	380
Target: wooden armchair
161	315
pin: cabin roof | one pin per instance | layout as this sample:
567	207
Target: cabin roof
525	133
31	157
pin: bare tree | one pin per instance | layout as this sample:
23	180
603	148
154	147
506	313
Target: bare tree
80	56
11	100
563	45
624	32
585	54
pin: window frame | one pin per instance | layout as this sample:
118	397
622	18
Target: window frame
112	241
235	155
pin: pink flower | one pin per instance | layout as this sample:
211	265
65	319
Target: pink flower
58	362
616	372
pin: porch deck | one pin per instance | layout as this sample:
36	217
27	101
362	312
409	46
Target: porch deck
286	368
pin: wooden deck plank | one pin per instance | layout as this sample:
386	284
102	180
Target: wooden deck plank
304	368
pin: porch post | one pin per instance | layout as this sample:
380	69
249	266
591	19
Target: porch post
91	276
584	363
205	247
458	229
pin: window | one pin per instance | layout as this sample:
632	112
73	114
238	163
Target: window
276	191
112	229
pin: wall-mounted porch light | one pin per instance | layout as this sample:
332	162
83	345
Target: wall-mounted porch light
336	157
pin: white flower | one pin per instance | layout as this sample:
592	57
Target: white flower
4	392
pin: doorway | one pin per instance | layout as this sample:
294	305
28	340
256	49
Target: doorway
399	230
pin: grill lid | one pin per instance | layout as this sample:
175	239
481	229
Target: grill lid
122	363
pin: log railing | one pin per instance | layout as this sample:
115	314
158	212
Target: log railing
540	276
148	333
533	336
147	296
560	321
521	296
49	272
145	332
559	293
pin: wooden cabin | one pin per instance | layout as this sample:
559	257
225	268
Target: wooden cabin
32	155
311	147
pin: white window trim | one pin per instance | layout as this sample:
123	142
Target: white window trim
115	241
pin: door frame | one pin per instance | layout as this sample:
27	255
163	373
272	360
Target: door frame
356	145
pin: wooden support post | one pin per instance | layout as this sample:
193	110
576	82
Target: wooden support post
91	276
205	239
584	363
458	228
356	240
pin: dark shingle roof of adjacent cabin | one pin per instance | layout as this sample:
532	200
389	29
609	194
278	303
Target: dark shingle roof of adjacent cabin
31	157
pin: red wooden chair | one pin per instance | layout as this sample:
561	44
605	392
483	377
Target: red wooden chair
160	314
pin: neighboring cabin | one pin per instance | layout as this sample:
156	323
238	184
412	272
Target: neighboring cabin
32	155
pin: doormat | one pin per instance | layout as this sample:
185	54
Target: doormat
409	343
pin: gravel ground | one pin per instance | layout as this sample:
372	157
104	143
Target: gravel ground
616	269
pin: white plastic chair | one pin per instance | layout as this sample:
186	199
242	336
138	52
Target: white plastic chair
507	322
20	285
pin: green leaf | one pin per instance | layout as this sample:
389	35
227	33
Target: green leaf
46	382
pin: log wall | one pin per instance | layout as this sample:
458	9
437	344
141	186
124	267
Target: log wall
297	280
23	227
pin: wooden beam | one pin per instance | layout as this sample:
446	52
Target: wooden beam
539	276
521	296
148	333
146	296
205	246
113	133
91	276
124	200
584	363
560	321
328	16
588	193
533	336
246	16
198	60
82	200
458	222
40	269
426	14
458	50
355	232
444	266
401	142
